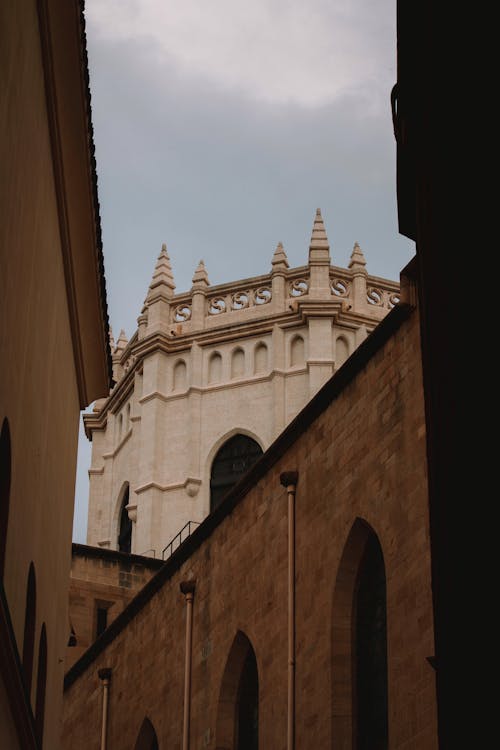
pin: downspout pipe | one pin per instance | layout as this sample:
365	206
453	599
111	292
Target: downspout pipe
187	588
289	480
105	677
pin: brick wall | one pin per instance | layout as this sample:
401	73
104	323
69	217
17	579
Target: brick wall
359	449
101	578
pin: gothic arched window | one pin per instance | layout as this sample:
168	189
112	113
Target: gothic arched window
180	376
371	651
237	725
260	358
248	705
297	351
359	644
147	739
341	351
238	363
233	460
5	469
125	533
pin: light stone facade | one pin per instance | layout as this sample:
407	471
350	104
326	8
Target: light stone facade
236	358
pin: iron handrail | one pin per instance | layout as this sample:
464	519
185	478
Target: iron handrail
178	539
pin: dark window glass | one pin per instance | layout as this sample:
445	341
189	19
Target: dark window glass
102	620
233	460
248	705
147	739
125	535
371	652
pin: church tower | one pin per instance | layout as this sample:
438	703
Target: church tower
208	381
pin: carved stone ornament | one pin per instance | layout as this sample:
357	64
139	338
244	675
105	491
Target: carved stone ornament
132	512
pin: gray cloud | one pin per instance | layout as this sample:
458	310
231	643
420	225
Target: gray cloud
219	175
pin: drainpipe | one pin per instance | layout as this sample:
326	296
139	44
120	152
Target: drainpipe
289	480
105	677
187	588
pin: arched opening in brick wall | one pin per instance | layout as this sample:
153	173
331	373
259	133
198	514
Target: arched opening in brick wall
359	645
5	469
125	525
41	682
231	461
29	629
146	739
237	725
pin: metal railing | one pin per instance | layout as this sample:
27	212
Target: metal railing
179	538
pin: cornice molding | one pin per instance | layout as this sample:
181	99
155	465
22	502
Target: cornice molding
168	487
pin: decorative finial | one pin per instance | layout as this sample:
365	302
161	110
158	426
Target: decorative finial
319	248
279	258
318	236
357	258
121	342
162	275
200	275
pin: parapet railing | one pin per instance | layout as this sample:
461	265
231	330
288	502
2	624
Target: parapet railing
179	538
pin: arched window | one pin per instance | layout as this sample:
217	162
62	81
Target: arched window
5	470
238	363
146	739
125	532
232	460
29	628
260	358
341	351
215	368
371	651
359	645
180	375
237	725
127	423
41	682
120	426
297	351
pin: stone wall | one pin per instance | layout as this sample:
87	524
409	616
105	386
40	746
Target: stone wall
101	579
359	450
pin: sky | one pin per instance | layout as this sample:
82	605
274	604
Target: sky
221	126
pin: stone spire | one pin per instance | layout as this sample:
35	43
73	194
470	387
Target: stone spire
163	277
319	260
121	343
200	277
357	260
319	248
279	261
357	265
111	340
116	355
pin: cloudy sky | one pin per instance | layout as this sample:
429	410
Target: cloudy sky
221	126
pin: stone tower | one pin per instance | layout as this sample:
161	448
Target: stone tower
209	380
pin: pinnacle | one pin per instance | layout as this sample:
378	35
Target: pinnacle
318	236
357	257
319	247
122	341
279	257
201	275
162	275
